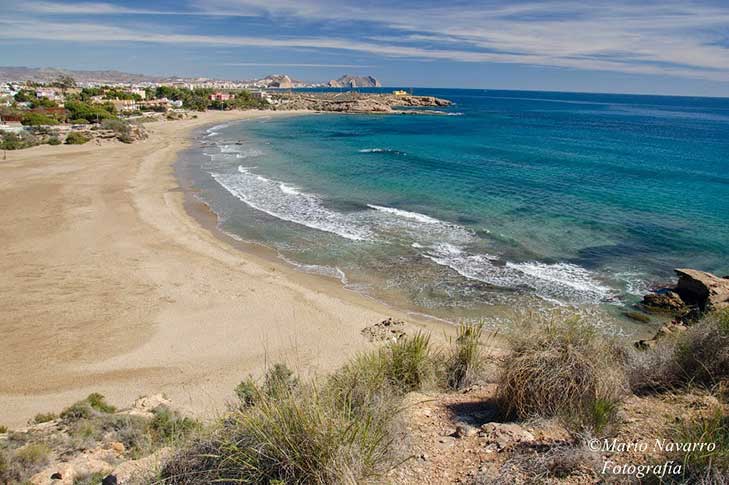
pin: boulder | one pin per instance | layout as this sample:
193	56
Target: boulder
505	435
664	301
706	290
386	330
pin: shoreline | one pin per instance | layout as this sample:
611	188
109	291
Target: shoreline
110	279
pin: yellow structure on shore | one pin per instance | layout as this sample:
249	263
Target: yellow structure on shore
400	92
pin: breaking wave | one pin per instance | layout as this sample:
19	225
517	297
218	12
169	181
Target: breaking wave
558	282
446	244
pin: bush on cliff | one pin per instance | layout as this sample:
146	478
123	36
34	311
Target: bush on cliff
298	437
562	368
337	431
697	357
465	361
76	138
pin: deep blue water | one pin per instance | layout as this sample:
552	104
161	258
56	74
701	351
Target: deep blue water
515	196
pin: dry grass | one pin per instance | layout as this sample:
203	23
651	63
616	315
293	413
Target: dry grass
698	357
562	368
17	465
699	464
464	363
339	431
297	438
547	464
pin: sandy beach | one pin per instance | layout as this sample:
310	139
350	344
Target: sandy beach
109	285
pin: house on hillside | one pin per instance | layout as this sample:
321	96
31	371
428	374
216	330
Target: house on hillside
122	105
49	93
220	96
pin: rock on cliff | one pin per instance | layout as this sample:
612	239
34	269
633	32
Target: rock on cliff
695	289
348	81
706	290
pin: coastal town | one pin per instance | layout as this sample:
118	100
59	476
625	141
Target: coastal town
66	110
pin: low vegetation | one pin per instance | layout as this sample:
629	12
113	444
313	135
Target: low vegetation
699	357
44	417
348	427
337	431
17	141
465	362
76	138
704	466
565	369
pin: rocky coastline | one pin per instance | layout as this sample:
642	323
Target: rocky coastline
354	102
695	294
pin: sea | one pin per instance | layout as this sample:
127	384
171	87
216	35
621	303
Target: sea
506	201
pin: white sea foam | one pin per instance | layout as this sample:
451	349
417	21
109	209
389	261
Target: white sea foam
279	200
380	150
330	271
212	131
442	242
563	282
406	214
635	283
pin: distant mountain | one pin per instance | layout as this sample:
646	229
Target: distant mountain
48	74
279	81
349	81
282	81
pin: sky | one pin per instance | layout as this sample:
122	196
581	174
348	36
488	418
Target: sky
652	47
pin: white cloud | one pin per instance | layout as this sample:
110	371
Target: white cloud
670	38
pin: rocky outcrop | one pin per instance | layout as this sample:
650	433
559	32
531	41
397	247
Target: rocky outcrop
695	290
349	81
665	301
696	293
707	291
352	102
386	330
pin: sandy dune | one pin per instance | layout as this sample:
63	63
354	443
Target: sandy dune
107	284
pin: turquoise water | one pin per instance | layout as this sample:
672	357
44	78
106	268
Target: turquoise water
514	197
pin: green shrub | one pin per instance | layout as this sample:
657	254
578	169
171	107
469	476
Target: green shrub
54	141
297	437
31	457
561	368
289	432
87	408
77	411
121	128
464	364
132	431
84	433
76	138
279	380
168	426
247	391
408	365
80	121
98	402
3	429
44	417
38	119
17	141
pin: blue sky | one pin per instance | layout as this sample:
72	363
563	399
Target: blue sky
663	47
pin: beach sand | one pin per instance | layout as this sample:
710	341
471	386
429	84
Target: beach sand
108	284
